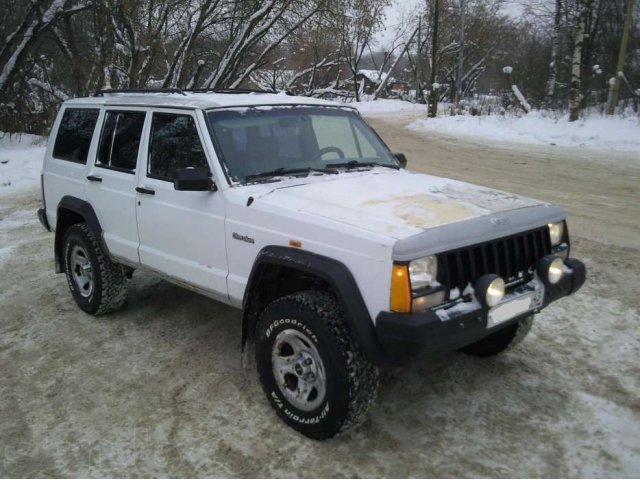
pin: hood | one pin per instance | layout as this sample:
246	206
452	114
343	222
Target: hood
398	204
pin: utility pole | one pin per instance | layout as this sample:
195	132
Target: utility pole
419	63
621	55
433	96
460	56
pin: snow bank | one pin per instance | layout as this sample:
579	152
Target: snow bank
20	162
385	106
539	129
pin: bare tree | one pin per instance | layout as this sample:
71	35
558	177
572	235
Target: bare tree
250	31
460	69
433	95
555	47
360	20
198	16
613	103
575	93
402	39
40	17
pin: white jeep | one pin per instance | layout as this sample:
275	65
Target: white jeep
295	211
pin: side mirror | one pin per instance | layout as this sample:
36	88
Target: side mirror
194	180
402	160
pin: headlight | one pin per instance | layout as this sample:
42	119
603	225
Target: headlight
423	272
556	232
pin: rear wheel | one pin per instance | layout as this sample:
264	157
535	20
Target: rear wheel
97	284
311	368
502	340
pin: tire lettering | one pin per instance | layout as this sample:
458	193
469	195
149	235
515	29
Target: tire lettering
303	420
293	322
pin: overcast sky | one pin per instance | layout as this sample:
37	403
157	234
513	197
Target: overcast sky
396	10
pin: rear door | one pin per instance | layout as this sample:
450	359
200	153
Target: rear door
111	180
181	233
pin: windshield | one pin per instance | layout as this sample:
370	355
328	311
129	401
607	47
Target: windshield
267	142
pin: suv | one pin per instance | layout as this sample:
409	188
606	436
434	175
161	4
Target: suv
294	210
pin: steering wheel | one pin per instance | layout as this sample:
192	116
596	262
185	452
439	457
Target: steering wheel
326	150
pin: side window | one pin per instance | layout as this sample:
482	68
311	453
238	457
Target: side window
120	140
174	144
74	134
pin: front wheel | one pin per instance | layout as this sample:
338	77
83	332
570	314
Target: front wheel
502	340
311	368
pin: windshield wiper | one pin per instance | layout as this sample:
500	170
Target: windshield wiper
350	165
278	172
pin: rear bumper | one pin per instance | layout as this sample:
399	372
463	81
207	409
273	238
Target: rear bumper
42	216
406	336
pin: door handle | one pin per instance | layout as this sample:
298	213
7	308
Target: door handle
146	191
93	178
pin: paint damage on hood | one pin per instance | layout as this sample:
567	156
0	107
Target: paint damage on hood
395	203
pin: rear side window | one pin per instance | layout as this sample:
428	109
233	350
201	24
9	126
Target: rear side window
174	144
74	134
120	141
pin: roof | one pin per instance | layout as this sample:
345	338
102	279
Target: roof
198	100
374	76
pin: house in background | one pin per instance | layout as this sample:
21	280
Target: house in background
370	79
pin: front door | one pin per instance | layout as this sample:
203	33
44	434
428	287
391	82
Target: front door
181	233
111	181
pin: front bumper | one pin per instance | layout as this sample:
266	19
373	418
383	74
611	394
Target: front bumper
405	336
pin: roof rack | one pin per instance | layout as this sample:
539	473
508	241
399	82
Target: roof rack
227	90
101	93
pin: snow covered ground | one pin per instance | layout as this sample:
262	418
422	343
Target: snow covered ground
20	162
536	128
384	107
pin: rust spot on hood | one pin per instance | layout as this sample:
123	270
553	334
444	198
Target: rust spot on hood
424	211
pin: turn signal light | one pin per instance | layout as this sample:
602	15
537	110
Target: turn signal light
400	289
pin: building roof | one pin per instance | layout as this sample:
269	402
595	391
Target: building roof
374	76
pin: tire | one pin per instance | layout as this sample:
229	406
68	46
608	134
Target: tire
302	339
502	340
97	284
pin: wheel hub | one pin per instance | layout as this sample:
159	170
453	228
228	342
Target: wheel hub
81	271
298	370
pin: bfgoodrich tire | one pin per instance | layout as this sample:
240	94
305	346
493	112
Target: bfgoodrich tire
502	340
311	368
97	284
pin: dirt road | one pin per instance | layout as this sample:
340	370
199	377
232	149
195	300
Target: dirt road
158	389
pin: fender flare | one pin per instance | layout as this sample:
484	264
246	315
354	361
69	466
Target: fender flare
336	275
86	211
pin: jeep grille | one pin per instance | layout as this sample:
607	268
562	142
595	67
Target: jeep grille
514	258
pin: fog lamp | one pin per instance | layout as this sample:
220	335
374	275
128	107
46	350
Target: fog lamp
550	269
490	290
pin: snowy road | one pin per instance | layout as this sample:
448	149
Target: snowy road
158	389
